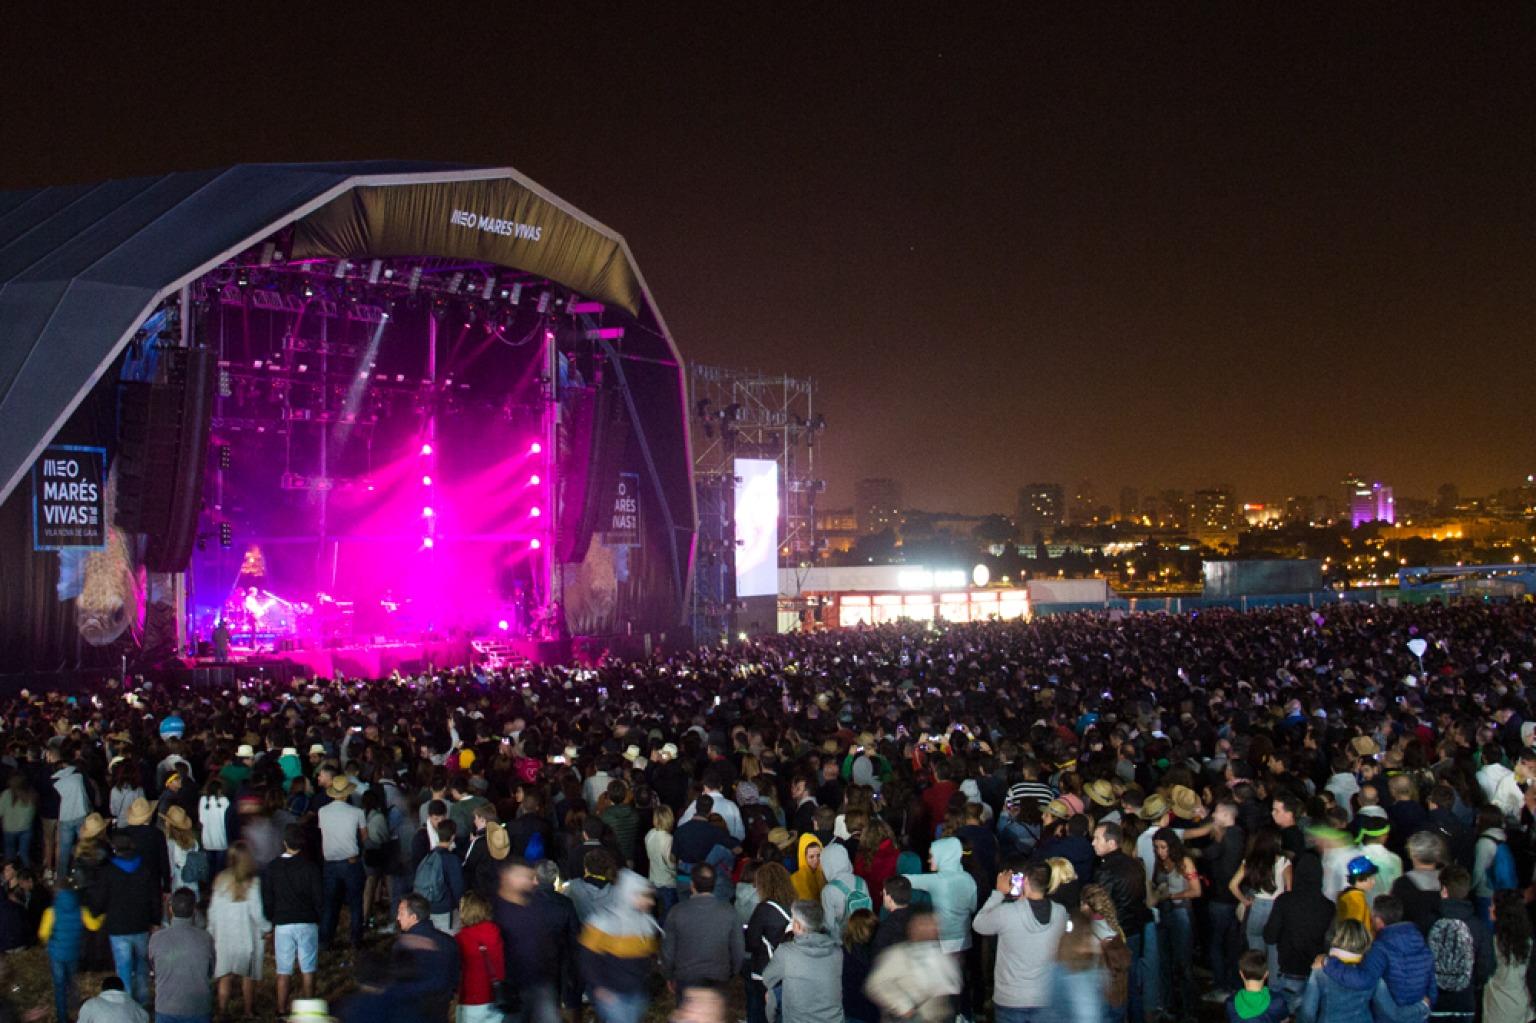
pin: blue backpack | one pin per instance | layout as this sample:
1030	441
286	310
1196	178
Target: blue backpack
533	852
1502	872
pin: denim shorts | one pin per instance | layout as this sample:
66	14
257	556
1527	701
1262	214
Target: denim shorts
301	941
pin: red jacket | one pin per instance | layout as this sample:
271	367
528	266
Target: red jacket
877	869
480	969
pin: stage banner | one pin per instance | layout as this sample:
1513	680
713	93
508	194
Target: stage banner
496	220
624	522
69	499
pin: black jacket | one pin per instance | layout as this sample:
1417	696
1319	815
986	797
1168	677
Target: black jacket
129	894
892	929
150	842
1125	879
767	928
1298	925
292	892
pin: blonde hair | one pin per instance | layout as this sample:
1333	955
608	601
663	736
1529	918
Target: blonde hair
663	819
1062	872
183	837
473	909
240	874
1350	936
1097	901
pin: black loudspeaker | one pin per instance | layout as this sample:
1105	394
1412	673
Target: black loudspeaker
162	444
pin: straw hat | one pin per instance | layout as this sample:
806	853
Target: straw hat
139	812
497	843
669	751
93	825
244	751
341	787
316	747
1364	746
176	818
1185	803
1153	808
1058	809
1101	792
778	838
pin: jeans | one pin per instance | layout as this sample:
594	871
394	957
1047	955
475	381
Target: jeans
1135	1011
18	846
1007	1014
1253	932
63	986
130	955
540	1004
69	831
1151	968
1221	946
1383	1007
342	878
618	1007
1291	987
666	898
1176	938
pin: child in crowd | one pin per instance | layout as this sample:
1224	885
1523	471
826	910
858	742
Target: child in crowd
1255	1003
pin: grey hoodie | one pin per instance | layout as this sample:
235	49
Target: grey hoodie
1026	949
836	866
810	968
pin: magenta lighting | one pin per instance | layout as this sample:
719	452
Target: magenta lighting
535	512
535	448
427	512
533	480
426	449
534	543
426	481
503	625
426	542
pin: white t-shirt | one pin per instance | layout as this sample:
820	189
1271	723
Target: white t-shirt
340	822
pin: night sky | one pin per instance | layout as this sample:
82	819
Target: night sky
1116	246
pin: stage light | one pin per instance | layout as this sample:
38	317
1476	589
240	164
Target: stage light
535	512
427	512
535	543
426	449
535	448
533	481
503	625
426	481
426	542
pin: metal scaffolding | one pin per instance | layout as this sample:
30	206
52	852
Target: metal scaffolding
738	413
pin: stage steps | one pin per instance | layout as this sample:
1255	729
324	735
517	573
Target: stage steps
497	654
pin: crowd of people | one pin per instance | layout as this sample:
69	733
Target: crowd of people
1324	814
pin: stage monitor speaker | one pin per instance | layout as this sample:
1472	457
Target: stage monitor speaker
163	442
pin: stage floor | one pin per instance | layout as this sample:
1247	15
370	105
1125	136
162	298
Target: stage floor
379	660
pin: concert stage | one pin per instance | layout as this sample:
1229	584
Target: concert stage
329	413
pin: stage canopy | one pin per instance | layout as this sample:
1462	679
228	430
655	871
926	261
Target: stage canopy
81	267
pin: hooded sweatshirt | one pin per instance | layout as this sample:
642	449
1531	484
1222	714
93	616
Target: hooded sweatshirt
810	970
1028	931
620	941
953	893
1298	925
841	883
808	882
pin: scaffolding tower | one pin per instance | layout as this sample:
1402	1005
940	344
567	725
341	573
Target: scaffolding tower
738	413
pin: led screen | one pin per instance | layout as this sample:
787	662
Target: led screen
757	527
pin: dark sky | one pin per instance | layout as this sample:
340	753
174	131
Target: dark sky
1094	243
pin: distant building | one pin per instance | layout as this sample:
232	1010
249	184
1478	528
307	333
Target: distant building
1130	503
1257	515
1215	512
1172	510
1370	502
838	528
1085	504
1043	507
877	505
1303	510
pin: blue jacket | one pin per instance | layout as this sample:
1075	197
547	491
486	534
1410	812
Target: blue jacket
1278	1010
1327	1000
68	931
1401	957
